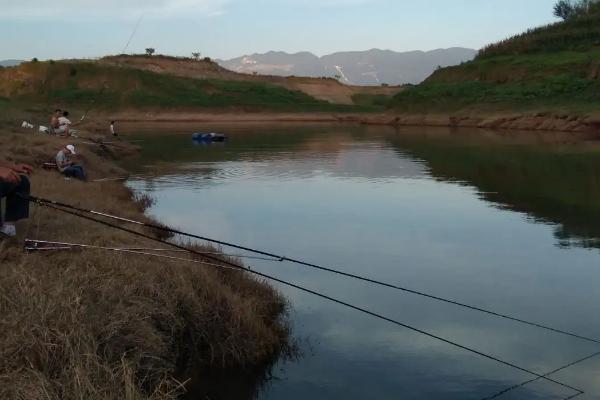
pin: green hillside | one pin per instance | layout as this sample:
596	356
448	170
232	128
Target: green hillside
554	68
83	84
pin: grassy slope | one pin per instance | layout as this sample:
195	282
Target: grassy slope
551	68
80	84
98	325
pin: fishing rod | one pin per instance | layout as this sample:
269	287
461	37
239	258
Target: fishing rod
34	245
93	143
135	252
318	267
122	178
115	179
309	291
118	144
85	114
135	29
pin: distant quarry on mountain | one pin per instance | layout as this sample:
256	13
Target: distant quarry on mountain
371	67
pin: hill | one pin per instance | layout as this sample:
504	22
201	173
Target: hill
372	67
10	63
165	83
551	68
325	89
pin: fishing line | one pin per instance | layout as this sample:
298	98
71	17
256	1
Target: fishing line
318	267
520	385
310	291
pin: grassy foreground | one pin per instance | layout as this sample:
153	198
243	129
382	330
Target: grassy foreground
99	325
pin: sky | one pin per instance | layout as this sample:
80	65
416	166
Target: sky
56	29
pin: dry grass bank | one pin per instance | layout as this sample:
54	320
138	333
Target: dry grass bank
98	325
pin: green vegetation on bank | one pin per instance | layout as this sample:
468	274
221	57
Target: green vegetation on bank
81	84
580	31
556	67
371	100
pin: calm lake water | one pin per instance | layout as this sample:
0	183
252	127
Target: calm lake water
508	222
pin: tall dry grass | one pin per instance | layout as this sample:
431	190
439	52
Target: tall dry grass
98	325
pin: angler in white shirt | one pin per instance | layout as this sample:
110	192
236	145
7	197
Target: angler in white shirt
64	125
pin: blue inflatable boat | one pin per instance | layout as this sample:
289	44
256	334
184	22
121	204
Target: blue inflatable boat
209	137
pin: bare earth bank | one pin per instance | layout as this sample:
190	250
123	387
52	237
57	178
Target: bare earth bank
534	121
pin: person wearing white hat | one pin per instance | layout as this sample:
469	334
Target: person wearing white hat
68	167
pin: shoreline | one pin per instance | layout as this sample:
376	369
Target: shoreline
541	121
104	322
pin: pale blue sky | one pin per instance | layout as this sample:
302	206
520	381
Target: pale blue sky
229	28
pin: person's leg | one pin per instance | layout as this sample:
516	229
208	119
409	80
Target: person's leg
4	189
82	173
17	208
79	172
69	172
75	171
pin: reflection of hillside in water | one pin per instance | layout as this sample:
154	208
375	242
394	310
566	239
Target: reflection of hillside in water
549	179
300	155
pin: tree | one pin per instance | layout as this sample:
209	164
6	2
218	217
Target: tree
196	56
567	9
150	51
564	9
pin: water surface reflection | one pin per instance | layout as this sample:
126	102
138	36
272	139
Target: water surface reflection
507	223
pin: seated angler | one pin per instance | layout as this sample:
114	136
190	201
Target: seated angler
13	181
65	124
69	168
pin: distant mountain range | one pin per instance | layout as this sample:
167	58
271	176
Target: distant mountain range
10	63
372	67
